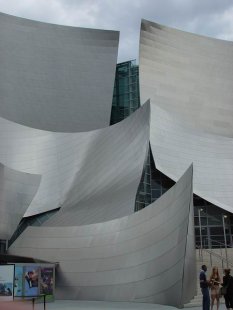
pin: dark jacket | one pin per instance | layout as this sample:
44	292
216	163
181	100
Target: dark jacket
203	280
228	282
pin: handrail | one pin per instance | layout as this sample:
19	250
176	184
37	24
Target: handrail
219	256
218	242
210	252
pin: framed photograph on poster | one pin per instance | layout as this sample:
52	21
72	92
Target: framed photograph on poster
31	281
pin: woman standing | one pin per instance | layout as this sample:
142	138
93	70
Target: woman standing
214	287
228	283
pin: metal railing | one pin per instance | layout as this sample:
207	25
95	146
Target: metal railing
212	242
225	262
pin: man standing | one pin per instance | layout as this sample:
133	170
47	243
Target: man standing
204	288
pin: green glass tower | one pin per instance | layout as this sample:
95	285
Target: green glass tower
126	98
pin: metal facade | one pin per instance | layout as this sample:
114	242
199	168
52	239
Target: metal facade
17	190
57	85
188	79
188	75
148	256
106	184
80	169
56	78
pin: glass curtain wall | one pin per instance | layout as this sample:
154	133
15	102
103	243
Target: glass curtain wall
212	225
153	184
126	97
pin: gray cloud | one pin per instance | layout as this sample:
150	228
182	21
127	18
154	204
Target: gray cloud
208	17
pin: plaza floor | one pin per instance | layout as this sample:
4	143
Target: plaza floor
90	305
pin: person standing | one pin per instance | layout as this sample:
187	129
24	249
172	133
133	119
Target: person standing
204	284
228	284
214	281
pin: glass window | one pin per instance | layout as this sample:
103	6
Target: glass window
156	193
215	220
216	230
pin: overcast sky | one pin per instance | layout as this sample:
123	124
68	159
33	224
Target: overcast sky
208	17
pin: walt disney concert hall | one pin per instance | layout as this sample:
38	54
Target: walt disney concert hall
104	167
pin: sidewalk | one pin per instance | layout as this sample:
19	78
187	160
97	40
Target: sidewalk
91	305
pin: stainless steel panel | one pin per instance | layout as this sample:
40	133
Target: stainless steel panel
56	78
188	79
188	75
17	190
148	263
92	176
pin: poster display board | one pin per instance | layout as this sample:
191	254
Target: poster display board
6	282
34	280
47	282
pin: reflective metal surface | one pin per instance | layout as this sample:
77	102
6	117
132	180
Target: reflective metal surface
96	172
17	190
189	76
176	146
143	257
57	84
56	78
189	81
106	184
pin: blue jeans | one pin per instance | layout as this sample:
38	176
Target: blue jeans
206	298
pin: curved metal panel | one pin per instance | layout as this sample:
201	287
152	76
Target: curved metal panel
188	75
175	146
142	257
105	186
189	80
96	173
17	190
56	78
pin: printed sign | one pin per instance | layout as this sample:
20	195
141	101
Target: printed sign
34	280
6	282
31	281
46	281
18	285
